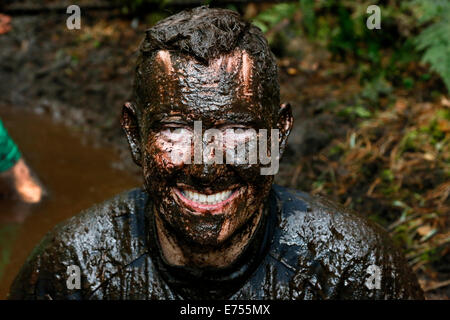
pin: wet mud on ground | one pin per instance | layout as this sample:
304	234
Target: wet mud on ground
76	174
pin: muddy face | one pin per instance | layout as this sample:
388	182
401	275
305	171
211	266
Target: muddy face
202	204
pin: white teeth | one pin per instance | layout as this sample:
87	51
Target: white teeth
207	199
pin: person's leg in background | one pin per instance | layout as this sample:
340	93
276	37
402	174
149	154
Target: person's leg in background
16	179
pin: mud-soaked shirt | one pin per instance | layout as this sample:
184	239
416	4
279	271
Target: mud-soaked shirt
304	248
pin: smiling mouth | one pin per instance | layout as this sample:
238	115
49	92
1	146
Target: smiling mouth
201	203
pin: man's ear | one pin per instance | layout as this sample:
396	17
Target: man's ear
130	125
284	124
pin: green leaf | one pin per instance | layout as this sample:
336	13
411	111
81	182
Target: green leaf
434	40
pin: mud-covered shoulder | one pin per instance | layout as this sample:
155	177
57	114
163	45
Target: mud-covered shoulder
336	251
324	226
98	241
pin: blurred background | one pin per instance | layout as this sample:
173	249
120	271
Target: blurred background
371	107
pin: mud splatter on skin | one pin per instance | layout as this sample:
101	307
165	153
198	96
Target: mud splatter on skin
209	65
178	90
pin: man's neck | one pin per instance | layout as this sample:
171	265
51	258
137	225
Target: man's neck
178	253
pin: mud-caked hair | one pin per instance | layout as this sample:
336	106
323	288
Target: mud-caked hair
206	33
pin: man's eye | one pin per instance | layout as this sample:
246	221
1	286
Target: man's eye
234	127
174	127
175	130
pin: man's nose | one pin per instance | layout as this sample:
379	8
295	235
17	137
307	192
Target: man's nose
205	175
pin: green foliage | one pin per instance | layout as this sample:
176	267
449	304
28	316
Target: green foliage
434	40
385	53
351	112
375	88
309	16
387	175
411	141
269	18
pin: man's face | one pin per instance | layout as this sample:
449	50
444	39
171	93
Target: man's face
202	203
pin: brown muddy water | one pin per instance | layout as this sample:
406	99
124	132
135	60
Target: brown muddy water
76	174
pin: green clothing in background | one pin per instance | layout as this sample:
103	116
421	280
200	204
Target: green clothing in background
9	152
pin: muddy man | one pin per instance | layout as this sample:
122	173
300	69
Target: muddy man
211	230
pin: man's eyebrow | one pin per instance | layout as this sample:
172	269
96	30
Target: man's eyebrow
237	122
173	119
247	120
156	120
